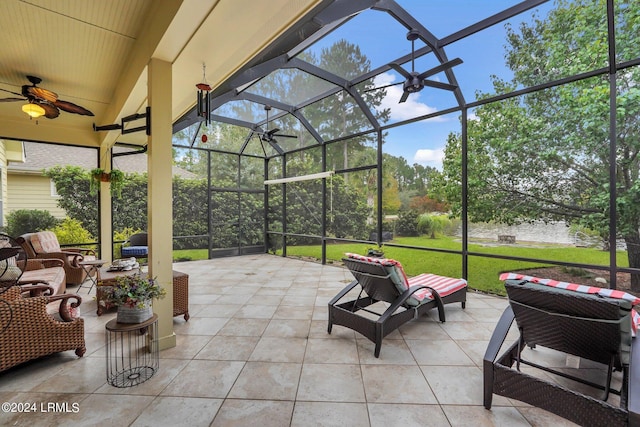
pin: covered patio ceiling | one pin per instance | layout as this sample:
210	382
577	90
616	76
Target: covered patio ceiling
95	54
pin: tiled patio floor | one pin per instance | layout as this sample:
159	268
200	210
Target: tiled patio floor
256	352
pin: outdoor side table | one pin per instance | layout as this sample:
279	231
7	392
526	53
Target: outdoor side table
132	352
92	267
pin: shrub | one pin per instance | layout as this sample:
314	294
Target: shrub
407	223
28	221
433	224
70	231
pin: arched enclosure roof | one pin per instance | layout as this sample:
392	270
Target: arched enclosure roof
362	60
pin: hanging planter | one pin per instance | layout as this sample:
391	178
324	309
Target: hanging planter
115	177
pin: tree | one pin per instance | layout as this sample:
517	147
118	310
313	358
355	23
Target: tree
545	155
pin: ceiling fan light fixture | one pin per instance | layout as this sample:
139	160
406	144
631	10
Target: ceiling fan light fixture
33	110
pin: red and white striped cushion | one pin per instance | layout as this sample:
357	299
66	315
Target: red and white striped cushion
610	293
442	285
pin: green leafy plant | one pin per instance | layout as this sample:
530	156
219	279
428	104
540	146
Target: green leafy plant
115	177
134	291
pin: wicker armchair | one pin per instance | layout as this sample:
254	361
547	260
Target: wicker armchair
28	332
44	244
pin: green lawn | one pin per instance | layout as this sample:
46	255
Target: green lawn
483	272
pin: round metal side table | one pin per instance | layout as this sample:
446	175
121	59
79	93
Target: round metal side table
132	352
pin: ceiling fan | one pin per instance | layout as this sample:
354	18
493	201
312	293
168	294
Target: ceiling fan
415	81
43	102
270	135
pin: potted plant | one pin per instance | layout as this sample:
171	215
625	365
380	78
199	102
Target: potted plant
132	295
115	177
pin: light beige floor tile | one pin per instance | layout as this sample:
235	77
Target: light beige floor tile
98	410
331	383
228	348
392	352
271	349
256	311
330	414
287	328
396	384
406	415
462	416
201	326
438	352
458	385
324	350
217	310
205	378
244	327
293	312
187	346
179	411
86	375
253	413
267	381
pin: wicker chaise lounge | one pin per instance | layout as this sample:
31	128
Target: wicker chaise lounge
383	280
577	320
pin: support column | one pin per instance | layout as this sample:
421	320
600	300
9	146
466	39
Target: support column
106	228
160	207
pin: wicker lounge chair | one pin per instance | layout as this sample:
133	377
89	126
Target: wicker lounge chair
44	244
383	280
587	325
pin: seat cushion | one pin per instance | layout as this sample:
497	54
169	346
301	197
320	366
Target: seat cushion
53	276
44	242
128	251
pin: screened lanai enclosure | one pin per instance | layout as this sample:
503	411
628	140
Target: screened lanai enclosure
415	124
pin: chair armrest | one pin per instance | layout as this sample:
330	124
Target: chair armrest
83	251
66	307
67	257
40	263
36	289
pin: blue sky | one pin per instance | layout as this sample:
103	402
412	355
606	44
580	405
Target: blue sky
382	40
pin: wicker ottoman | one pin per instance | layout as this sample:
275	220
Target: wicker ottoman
181	294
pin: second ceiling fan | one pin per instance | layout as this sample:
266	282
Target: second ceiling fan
414	81
269	135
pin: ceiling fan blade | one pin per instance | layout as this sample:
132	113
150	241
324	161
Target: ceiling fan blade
13	93
383	87
70	107
270	132
50	111
439	85
285	136
404	97
400	70
441	67
41	93
11	99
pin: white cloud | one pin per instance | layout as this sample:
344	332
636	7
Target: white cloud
430	157
407	110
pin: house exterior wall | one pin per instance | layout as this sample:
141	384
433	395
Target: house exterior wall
31	192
